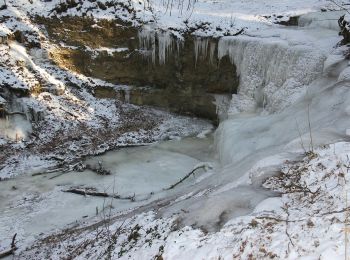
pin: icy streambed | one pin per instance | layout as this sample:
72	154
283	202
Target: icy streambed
32	206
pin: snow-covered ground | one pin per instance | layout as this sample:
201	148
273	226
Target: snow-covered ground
62	107
307	221
211	17
279	187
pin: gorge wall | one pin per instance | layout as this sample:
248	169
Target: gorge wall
181	75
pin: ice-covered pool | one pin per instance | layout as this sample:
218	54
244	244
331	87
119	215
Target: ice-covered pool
35	205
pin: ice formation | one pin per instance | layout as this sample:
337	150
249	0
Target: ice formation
204	48
326	20
151	41
200	48
15	128
222	103
147	41
165	46
270	69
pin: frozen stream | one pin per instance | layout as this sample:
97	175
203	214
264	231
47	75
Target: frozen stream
31	205
289	91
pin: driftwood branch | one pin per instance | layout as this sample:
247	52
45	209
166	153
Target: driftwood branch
14	113
10	251
186	177
95	193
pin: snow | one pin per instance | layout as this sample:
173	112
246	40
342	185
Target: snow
229	15
96	51
276	182
345	74
4	31
274	229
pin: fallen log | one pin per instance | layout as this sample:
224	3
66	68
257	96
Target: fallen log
95	193
7	253
10	251
48	171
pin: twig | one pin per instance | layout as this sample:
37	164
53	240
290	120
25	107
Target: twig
308	118
334	212
334	2
184	178
239	32
288	235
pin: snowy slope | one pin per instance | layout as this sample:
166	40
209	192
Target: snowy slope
61	105
307	222
227	15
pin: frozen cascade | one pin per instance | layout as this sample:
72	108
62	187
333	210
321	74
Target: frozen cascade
148	39
271	71
222	103
18	126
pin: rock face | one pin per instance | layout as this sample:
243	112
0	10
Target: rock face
110	50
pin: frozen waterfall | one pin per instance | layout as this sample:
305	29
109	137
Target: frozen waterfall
271	71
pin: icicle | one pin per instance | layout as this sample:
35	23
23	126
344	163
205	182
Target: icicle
147	41
165	47
200	48
165	42
212	48
179	46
